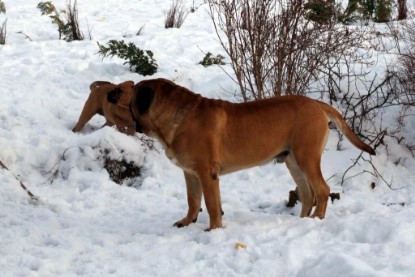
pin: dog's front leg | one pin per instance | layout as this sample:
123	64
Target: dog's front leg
90	109
194	199
211	193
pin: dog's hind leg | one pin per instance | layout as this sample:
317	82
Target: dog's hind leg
307	146
310	168
321	192
306	194
194	199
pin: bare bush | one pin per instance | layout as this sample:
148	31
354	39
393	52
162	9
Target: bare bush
3	32
369	102
363	111
402	73
402	9
72	21
2	7
194	8
279	47
175	16
3	27
403	33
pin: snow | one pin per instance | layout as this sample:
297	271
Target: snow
87	225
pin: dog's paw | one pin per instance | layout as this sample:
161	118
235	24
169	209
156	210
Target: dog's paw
184	222
178	224
213	227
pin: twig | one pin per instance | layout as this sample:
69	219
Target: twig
31	195
53	172
26	36
140	30
89	29
375	172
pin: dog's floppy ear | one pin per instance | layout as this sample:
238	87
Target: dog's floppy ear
113	96
144	97
97	84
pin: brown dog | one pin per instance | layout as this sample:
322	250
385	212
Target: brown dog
208	138
100	101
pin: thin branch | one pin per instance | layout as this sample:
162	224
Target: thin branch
26	36
34	198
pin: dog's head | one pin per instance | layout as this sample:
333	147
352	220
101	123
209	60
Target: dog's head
121	94
97	84
158	105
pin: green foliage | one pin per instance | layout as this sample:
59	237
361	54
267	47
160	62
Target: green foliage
209	59
140	61
366	8
65	20
350	14
383	10
47	8
320	11
2	7
376	10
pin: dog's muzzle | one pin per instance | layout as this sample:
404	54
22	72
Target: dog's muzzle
137	125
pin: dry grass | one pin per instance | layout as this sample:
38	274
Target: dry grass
175	16
72	21
3	32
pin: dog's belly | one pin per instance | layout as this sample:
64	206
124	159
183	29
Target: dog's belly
243	160
253	145
226	169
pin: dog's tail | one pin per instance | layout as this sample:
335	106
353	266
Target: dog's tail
341	124
98	84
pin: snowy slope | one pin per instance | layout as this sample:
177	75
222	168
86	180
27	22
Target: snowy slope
88	225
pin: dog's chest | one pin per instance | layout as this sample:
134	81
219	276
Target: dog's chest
172	157
176	160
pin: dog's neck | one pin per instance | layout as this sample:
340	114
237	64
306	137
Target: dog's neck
185	110
178	118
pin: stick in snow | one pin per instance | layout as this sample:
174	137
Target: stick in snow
31	195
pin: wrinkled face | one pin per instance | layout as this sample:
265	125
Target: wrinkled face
139	107
137	125
122	94
157	106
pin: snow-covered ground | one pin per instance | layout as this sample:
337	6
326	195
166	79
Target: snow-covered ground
88	225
